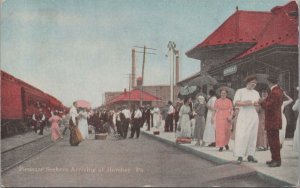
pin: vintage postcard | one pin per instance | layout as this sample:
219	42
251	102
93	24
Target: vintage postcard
161	93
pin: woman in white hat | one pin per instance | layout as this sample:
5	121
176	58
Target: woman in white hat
199	109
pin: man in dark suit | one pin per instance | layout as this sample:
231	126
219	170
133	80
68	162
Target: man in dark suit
39	119
125	120
176	114
273	122
136	117
148	116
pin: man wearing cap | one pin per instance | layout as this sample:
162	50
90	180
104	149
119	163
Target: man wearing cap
273	122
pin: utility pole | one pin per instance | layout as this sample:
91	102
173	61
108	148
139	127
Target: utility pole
172	51
143	67
129	76
133	68
103	99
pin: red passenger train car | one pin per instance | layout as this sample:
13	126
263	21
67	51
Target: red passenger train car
19	100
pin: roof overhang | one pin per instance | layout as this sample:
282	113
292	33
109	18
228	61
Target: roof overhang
224	52
186	80
280	56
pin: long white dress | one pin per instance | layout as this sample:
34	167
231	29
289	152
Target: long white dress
284	121
184	121
209	135
296	133
247	124
156	117
73	113
83	125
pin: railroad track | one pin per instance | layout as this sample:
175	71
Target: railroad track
17	155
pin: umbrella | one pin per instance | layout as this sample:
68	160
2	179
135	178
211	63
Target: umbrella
188	91
262	78
83	104
203	79
230	91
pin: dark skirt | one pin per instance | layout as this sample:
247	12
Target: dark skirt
75	135
199	127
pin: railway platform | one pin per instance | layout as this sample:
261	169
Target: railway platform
285	175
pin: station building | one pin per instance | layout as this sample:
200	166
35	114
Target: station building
250	42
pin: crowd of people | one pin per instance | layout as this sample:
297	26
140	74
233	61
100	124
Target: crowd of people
43	118
255	122
81	122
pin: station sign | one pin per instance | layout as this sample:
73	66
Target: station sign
230	70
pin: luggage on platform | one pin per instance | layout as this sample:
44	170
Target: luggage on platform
183	140
101	136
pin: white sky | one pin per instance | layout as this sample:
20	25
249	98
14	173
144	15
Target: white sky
76	49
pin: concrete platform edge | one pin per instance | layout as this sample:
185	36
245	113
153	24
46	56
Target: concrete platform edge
273	180
218	160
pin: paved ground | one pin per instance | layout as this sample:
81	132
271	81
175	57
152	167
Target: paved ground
286	175
131	162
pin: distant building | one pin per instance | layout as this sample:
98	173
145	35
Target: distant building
108	96
160	91
129	98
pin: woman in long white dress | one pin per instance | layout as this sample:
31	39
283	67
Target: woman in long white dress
209	135
83	124
296	133
284	121
184	119
156	118
247	121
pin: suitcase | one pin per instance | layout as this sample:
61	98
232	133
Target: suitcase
182	140
101	136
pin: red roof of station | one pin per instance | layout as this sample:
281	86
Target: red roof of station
282	29
242	26
134	95
263	29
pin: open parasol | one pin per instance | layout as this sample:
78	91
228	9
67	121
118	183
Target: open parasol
202	80
83	104
262	78
188	91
